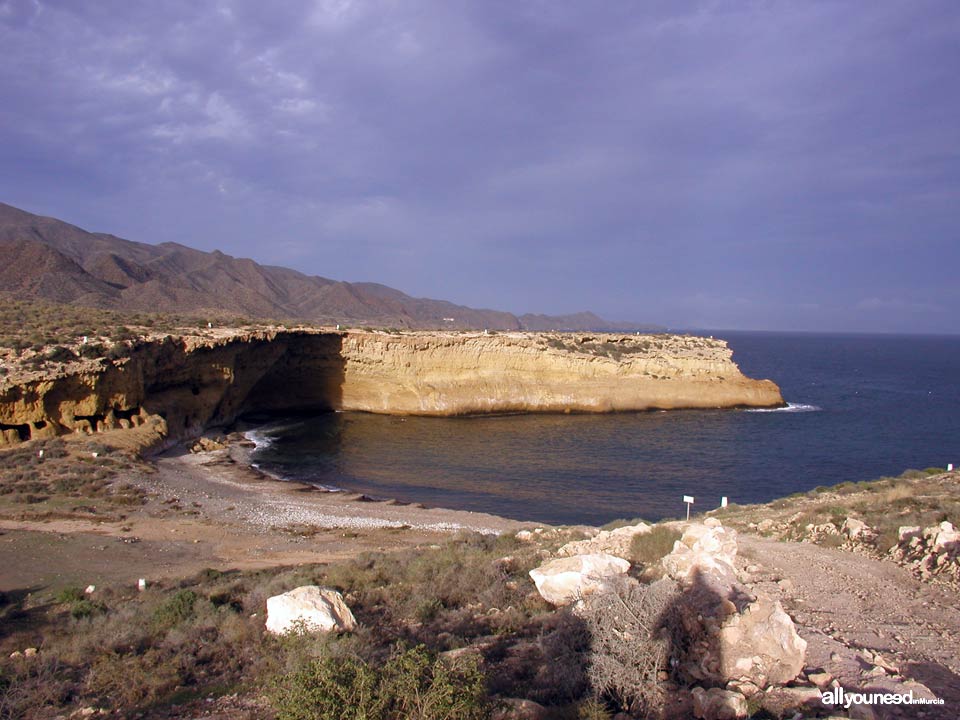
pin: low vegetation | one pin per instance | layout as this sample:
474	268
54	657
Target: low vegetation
444	632
649	548
917	497
74	478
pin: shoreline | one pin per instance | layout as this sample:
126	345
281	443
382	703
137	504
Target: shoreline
212	509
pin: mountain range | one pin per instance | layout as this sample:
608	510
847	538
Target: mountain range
49	259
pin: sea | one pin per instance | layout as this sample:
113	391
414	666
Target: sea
859	407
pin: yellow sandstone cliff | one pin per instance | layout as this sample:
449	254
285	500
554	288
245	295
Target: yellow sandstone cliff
177	386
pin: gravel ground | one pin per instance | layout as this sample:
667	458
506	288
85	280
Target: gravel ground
869	623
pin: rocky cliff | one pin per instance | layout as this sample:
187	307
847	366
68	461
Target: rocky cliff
178	386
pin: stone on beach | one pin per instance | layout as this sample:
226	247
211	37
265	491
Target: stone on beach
312	608
567	580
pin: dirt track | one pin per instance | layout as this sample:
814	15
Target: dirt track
858	613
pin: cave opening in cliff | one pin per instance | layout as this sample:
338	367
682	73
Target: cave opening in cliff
23	431
307	378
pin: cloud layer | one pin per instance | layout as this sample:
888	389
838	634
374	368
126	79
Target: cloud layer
782	165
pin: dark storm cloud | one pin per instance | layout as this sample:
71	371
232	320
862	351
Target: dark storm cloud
747	164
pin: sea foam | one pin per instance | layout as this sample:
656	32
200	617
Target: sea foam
791	408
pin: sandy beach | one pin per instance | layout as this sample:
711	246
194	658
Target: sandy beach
213	510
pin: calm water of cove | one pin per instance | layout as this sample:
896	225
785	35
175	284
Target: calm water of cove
863	406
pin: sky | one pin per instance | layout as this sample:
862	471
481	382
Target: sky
741	165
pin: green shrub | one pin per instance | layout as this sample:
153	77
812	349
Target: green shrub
411	685
650	547
174	611
593	710
70	594
85	608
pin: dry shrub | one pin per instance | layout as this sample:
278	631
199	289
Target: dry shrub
31	684
631	641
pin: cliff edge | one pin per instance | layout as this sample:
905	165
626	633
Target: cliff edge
176	386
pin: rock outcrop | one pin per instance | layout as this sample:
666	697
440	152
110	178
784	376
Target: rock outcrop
309	608
930	552
191	383
567	580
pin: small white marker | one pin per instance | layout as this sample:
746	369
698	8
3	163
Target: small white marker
949	466
40	454
723	501
95	454
142	584
688	499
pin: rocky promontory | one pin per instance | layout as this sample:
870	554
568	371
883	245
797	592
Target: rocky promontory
177	386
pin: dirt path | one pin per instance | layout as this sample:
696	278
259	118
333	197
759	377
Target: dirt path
867	622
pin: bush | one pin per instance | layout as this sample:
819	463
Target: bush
177	609
650	547
70	595
412	684
632	642
85	608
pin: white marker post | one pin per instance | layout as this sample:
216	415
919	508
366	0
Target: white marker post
688	499
949	467
723	501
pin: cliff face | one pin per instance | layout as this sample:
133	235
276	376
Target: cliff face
178	386
457	374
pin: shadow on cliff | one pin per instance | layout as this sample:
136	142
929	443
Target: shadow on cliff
291	373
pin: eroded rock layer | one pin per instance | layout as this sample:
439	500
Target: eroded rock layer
184	384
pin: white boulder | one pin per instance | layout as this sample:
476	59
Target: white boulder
761	645
857	530
706	553
311	608
906	533
947	537
566	580
612	542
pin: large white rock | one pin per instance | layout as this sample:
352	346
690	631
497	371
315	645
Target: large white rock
313	608
947	536
567	580
706	553
612	542
761	645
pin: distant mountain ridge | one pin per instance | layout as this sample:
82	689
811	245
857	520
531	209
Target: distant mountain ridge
50	259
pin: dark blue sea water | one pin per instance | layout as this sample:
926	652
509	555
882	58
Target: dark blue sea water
862	407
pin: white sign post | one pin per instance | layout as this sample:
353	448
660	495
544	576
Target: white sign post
688	499
723	501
